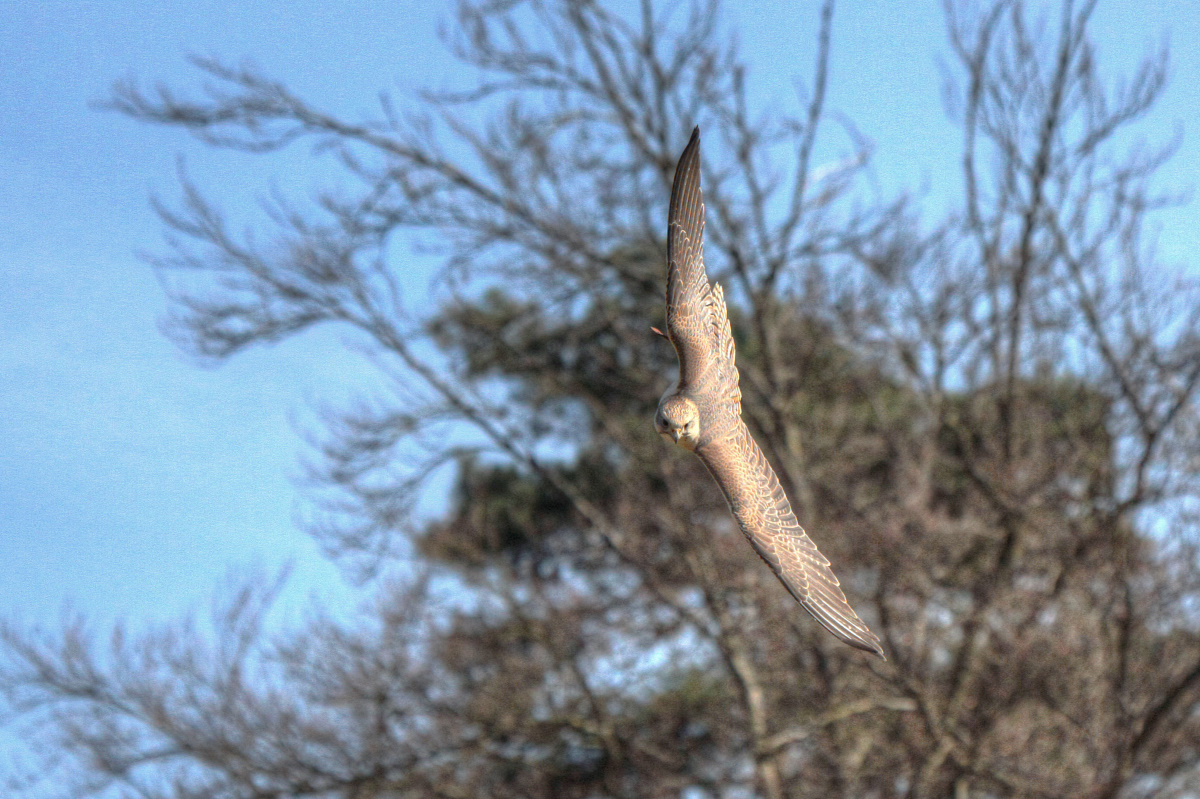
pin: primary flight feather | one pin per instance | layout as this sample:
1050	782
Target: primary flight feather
703	413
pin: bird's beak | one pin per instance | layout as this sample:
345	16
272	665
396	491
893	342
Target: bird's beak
675	435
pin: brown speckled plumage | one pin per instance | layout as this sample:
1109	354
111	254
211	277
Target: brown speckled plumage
703	412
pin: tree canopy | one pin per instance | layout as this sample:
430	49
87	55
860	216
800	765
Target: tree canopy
988	422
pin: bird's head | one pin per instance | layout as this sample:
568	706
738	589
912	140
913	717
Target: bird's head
678	420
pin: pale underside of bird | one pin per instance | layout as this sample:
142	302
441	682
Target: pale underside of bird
703	413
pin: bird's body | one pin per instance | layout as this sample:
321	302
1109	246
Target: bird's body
702	413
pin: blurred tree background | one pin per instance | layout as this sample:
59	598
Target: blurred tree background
988	422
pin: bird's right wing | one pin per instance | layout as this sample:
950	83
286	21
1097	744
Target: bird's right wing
690	301
763	512
697	319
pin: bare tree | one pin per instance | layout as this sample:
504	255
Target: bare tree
981	423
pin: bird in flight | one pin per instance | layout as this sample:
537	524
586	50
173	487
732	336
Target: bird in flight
703	413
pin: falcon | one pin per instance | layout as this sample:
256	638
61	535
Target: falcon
703	413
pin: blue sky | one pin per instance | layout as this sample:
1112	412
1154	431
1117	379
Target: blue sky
132	481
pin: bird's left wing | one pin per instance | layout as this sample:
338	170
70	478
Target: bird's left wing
763	512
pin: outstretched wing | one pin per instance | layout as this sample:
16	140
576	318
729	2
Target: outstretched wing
763	512
689	298
697	323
